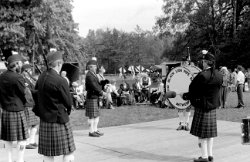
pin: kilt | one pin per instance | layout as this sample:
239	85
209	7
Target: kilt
32	119
55	139
14	126
92	108
204	124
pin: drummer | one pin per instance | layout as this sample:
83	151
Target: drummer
184	114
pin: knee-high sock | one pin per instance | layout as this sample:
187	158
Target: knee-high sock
48	158
69	158
96	121
186	116
9	146
20	150
181	116
210	142
91	125
28	140
32	137
204	147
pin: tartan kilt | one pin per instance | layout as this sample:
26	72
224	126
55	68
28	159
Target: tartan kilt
92	108
14	126
32	119
204	124
55	139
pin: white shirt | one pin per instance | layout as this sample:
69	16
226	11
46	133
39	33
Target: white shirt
111	88
240	77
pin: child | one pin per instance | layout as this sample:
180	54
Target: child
111	89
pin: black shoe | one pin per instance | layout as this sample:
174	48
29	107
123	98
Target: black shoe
34	144
99	133
200	159
210	158
181	127
94	134
30	146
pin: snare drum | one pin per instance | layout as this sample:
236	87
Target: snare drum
245	127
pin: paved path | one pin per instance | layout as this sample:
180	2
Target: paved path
155	141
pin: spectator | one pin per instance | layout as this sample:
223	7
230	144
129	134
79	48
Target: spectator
224	89
157	95
125	96
145	84
137	90
64	75
240	86
111	93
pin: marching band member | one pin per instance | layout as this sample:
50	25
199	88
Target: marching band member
94	91
32	119
53	106
184	115
14	125
204	94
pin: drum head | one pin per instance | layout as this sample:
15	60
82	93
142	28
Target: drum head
178	80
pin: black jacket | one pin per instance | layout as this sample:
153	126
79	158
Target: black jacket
93	86
12	87
52	100
204	90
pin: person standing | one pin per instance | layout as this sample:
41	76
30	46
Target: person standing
204	94
53	105
94	92
240	86
14	125
32	119
64	75
224	88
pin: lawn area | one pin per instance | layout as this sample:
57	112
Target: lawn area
143	113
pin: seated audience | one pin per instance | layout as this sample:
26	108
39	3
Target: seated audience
125	97
145	84
112	93
157	94
137	90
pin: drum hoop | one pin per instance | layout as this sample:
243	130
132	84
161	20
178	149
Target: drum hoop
190	74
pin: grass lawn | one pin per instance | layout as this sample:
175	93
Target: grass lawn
134	114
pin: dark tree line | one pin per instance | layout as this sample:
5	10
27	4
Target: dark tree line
220	26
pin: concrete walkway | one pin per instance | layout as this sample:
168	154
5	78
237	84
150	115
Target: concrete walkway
155	141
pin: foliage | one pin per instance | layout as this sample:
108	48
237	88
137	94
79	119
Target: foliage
220	26
115	49
31	27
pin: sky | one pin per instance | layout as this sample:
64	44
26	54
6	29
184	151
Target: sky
120	14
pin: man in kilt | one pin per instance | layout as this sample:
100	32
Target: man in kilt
12	99
94	91
32	119
53	104
204	94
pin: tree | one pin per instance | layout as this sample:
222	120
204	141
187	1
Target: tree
215	25
31	27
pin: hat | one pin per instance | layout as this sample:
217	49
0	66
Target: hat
92	62
54	56
26	66
14	58
224	68
74	84
208	56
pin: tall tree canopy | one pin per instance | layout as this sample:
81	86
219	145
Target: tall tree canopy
115	49
220	26
31	27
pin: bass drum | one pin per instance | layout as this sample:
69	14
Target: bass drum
178	80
